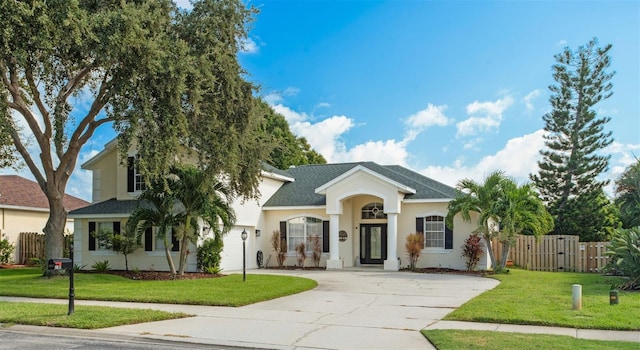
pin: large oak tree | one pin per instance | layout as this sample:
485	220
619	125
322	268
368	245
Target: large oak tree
165	79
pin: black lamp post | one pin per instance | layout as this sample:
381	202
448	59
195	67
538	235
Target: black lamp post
244	254
71	289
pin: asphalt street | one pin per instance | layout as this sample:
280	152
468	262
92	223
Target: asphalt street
10	340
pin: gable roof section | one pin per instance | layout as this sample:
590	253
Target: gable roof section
108	148
400	187
16	191
308	178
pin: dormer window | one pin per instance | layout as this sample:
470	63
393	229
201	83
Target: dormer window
135	180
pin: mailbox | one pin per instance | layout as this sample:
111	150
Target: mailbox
60	264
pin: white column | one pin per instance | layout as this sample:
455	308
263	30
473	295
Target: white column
392	262
334	261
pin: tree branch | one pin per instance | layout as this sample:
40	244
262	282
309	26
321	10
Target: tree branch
38	101
27	157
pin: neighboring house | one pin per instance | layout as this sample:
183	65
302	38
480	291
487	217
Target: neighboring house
360	212
24	208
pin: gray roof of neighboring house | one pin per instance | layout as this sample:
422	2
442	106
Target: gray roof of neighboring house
308	178
111	206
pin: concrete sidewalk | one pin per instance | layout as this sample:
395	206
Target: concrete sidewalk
593	334
357	309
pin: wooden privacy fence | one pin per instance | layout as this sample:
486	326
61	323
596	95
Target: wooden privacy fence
555	253
30	245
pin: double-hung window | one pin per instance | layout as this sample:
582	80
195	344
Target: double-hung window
135	180
434	231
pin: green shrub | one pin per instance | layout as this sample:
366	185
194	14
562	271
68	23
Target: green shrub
101	266
472	251
78	268
214	270
624	252
6	250
209	255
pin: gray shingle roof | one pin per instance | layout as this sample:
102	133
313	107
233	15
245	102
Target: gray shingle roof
301	192
111	206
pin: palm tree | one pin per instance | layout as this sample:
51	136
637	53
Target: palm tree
202	196
479	198
156	207
518	210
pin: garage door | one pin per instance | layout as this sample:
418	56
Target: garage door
231	257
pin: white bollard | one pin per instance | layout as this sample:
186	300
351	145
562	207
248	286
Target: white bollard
576	293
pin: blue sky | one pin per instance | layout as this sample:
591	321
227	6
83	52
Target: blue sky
451	89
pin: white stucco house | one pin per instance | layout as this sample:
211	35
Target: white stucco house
361	212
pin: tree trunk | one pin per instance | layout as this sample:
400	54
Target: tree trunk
54	229
184	244
506	246
167	251
489	246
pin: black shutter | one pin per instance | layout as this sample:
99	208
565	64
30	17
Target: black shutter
325	236
130	174
148	239
116	232
420	228
174	241
92	237
448	238
283	233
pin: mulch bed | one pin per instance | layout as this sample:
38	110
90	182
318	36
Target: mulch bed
448	271
157	275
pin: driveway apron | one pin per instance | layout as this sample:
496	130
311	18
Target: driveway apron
350	309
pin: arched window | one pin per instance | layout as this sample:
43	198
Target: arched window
304	229
373	211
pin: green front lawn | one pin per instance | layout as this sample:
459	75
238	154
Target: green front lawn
544	298
478	340
223	291
86	317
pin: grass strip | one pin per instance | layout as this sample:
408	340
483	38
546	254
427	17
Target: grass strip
85	317
478	340
545	298
222	291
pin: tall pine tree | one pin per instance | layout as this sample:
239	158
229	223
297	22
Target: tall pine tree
567	179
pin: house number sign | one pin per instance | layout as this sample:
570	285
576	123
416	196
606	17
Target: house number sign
342	235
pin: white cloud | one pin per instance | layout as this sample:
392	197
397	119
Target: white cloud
528	100
430	116
382	152
324	136
248	46
517	159
490	116
290	115
562	43
275	97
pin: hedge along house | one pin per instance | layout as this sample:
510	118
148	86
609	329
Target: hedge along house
358	213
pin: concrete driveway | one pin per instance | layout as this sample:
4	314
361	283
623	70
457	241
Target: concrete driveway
350	309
